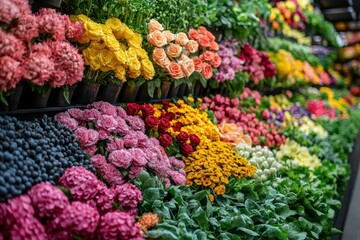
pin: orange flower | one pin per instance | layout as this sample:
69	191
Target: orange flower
157	39
175	71
181	38
193	34
147	221
198	63
202	30
173	50
204	41
169	36
210	36
192	46
188	67
207	71
231	133
214	46
154	25
208	56
211	197
160	57
216	61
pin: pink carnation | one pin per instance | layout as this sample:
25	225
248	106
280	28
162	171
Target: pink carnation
58	117
47	200
87	137
121	112
176	163
131	140
82	184
11	46
128	195
106	122
11	73
105	107
98	161
69	122
104	135
115	144
76	113
120	158
91	114
136	123
177	177
138	155
135	171
90	150
118	225
111	175
26	28
122	128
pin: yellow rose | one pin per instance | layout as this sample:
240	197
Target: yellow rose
106	29
141	53
95	63
134	74
81	18
97	45
131	53
115	24
90	54
147	69
128	33
119	34
105	68
120	73
111	42
105	57
120	56
135	41
93	30
134	65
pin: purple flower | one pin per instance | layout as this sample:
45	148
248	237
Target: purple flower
120	158
47	200
128	195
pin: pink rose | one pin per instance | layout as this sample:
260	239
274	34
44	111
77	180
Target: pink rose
120	158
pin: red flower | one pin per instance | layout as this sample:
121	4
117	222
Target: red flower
194	139
151	122
164	125
147	110
166	104
165	140
132	109
177	126
169	116
186	149
182	137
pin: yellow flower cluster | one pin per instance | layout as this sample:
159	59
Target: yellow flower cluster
113	46
307	126
285	65
299	36
214	161
299	155
279	101
213	164
340	104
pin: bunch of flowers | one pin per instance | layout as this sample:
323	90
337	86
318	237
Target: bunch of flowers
310	74
211	151
147	221
308	126
35	47
257	63
161	124
263	158
293	153
285	65
231	133
118	144
230	64
183	54
260	132
280	101
318	109
340	104
46	213
288	12
250	99
113	47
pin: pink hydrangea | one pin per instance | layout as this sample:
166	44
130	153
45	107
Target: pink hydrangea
138	155
106	122
26	28
23	6
128	195
75	31
38	68
11	46
105	107
91	114
11	73
120	158
82	184
131	211
18	208
8	11
115	144
111	175
27	228
118	225
47	200
78	218
136	123
59	235
86	137
52	23
104	199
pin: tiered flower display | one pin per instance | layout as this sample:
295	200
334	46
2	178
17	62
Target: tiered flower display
287	12
113	46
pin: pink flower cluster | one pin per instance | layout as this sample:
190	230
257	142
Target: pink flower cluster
230	64
260	132
319	109
46	213
117	144
257	63
53	61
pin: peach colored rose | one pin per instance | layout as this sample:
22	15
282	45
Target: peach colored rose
193	34
183	58
160	58
198	64
175	71
216	61
154	25
169	36
231	133
202	30
173	50
208	56
188	67
204	41
210	36
192	46
214	46
207	71
157	39
181	38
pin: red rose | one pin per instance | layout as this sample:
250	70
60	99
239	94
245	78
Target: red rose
177	126
165	140
147	110
182	137
186	149
166	104
194	139
151	122
169	116
164	125
132	109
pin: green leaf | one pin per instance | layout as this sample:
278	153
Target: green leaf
248	231
178	82
3	99
200	218
66	192
201	195
151	194
151	88
164	231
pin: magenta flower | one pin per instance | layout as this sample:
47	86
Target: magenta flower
128	195
135	171
11	73
18	208
138	155
98	161
120	158
111	174
27	227
104	199
115	144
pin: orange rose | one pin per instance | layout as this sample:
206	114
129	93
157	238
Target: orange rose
202	30
160	58
216	61
183	58
188	67
174	50
193	34
210	36
198	63
207	71
175	71
204	41
181	38
214	46
192	46
157	39
154	25
169	36
208	56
